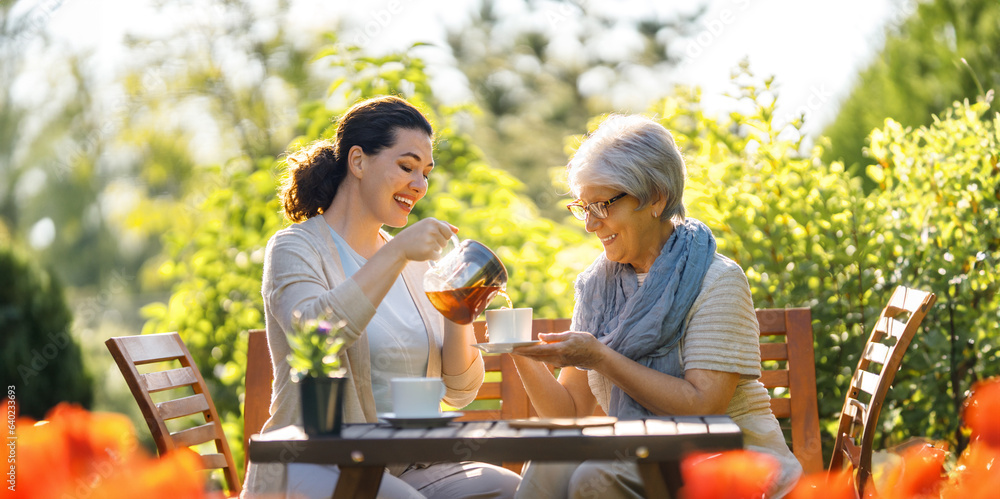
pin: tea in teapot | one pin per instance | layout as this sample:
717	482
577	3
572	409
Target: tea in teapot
463	282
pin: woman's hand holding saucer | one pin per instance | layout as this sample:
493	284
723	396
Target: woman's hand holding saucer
571	348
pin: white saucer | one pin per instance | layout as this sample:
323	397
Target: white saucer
504	347
419	422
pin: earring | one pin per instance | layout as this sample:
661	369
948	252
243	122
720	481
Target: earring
654	214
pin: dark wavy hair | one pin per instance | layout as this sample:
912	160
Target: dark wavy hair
316	171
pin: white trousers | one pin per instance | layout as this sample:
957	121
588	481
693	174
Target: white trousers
463	480
587	480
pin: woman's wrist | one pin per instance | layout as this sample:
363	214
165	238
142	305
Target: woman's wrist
394	252
602	355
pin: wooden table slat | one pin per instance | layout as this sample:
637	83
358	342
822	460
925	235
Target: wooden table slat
566	432
380	432
599	431
632	427
721	424
410	433
503	430
690	425
661	427
477	429
532	432
357	430
444	431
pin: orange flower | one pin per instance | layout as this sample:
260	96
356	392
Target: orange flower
977	473
157	478
76	453
733	474
920	473
981	410
823	486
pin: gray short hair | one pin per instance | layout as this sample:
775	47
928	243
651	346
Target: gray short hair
636	155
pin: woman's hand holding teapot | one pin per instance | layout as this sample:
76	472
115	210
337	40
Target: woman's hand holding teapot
423	240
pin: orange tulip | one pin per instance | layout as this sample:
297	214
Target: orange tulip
76	453
920	473
981	409
977	473
732	474
823	486
157	478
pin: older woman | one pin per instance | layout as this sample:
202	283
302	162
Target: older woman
663	325
339	262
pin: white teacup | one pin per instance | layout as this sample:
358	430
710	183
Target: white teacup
509	325
416	397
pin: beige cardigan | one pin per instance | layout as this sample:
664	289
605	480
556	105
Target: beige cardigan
302	272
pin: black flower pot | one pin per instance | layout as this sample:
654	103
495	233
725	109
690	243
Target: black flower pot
322	405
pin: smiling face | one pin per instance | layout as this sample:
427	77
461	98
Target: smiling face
629	236
394	179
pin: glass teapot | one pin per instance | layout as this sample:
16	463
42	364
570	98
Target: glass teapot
463	282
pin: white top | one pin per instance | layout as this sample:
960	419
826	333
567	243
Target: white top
722	334
397	338
641	277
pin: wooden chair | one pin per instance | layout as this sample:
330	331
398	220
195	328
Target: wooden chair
132	351
793	384
880	359
257	392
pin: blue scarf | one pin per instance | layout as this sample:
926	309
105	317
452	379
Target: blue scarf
645	324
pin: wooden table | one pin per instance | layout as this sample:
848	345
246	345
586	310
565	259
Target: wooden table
363	450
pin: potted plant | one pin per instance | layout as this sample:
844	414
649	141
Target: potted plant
315	364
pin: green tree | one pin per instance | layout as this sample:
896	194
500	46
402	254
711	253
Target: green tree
40	358
945	51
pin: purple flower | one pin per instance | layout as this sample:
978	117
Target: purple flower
324	328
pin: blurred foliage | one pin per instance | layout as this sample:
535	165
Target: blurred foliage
809	235
39	357
50	146
944	184
945	51
540	74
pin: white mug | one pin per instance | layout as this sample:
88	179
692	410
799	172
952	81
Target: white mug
509	325
416	397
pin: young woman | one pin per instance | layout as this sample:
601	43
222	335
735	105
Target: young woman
337	262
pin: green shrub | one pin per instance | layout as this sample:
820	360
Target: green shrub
941	184
41	361
808	235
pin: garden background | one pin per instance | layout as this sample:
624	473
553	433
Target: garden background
140	197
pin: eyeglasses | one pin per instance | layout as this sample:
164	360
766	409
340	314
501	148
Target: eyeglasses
598	209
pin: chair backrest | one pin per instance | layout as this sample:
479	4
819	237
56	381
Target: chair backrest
132	351
788	371
257	392
880	359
